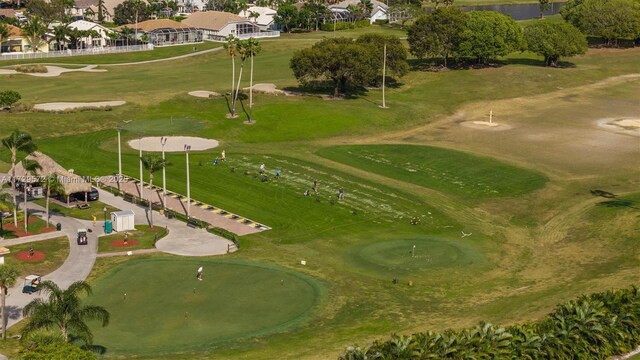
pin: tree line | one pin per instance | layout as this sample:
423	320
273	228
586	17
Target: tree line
482	36
594	326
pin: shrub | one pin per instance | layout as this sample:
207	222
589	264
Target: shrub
8	98
31	69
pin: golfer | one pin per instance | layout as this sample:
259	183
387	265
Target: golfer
199	273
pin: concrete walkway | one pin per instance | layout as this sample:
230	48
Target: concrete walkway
182	239
215	216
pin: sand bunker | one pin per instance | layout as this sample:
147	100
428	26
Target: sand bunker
485	125
203	93
53	71
629	126
174	143
61	106
271	89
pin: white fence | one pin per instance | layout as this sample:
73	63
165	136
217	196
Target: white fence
262	34
76	52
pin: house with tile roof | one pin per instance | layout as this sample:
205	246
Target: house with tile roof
218	25
164	32
88	9
17	42
379	11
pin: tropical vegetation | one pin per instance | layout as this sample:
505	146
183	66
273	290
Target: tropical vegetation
63	312
594	326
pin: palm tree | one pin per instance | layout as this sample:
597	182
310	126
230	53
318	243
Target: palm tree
8	276
152	163
242	52
232	48
252	48
60	33
113	36
367	7
52	184
17	141
254	15
127	32
4	34
34	30
63	310
31	167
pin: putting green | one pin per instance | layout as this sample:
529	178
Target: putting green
166	309
398	257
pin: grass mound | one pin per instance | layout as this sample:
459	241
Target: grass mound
440	169
31	69
166	309
398	257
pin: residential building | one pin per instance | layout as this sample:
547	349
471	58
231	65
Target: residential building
265	17
164	32
17	42
379	11
218	25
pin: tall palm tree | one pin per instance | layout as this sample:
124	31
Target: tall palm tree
52	184
63	310
34	30
252	48
231	45
254	15
31	167
60	34
152	163
242	52
17	141
366	6
8	276
4	34
127	32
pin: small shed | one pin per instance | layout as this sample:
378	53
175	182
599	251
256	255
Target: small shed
123	220
3	251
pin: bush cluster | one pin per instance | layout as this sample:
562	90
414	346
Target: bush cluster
31	69
594	326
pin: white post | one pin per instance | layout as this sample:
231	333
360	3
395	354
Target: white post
163	141
384	73
187	148
119	158
491	116
141	175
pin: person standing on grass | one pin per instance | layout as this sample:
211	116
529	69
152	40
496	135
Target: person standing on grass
315	185
223	156
277	173
262	168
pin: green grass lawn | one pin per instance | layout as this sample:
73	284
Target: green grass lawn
143	235
538	237
96	210
34	226
56	250
166	309
157	53
444	170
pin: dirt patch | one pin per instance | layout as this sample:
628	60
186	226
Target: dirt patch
37	256
120	243
485	125
62	106
271	89
630	126
204	94
174	143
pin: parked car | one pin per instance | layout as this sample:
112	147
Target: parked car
82	237
92	195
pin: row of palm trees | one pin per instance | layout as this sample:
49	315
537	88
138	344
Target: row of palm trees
594	326
242	49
